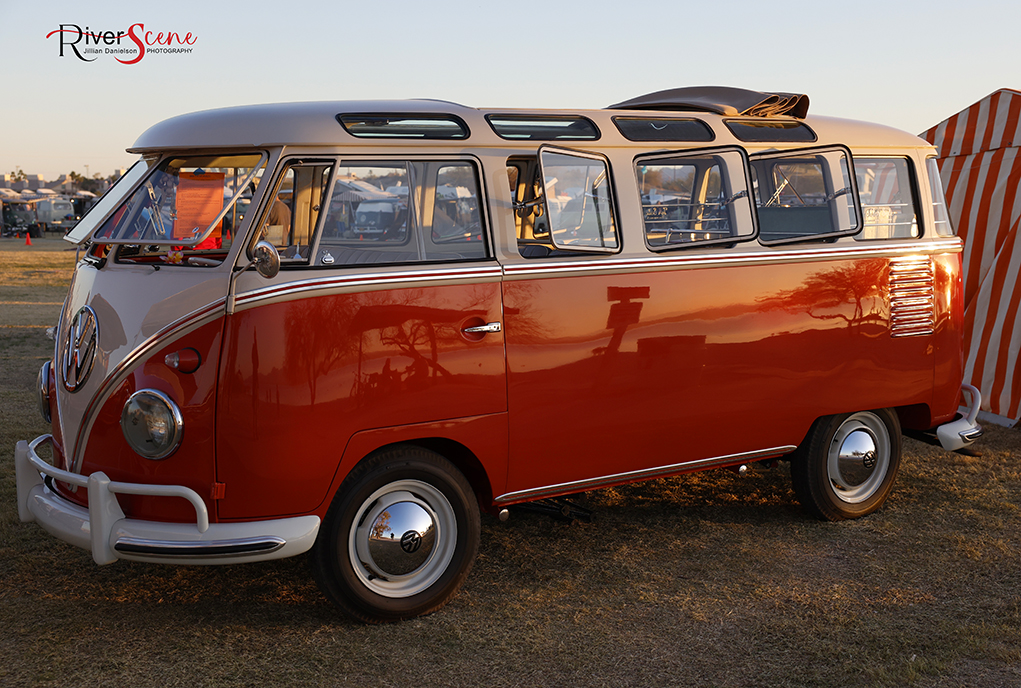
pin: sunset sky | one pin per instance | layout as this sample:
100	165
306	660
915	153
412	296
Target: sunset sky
906	64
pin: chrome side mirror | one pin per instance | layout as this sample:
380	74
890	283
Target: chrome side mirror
267	260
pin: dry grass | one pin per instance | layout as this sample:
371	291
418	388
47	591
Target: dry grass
706	579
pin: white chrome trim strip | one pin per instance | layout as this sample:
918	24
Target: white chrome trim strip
592	483
381	280
722	258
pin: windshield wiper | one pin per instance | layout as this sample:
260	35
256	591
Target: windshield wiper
158	218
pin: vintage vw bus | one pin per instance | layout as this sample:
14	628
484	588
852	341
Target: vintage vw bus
343	328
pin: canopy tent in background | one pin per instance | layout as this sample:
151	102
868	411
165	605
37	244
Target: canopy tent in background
980	167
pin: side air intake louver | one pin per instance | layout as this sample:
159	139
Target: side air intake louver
912	295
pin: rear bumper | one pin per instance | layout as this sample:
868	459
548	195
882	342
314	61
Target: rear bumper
961	432
103	529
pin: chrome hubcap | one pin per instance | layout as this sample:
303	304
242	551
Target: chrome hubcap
403	538
858	458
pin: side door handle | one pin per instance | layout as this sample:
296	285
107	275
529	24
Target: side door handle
482	329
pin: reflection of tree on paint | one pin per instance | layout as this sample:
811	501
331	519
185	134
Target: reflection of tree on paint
823	293
317	338
411	338
369	330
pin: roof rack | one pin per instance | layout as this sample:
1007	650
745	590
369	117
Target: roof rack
722	100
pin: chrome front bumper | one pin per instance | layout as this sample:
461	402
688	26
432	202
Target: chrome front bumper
103	529
959	433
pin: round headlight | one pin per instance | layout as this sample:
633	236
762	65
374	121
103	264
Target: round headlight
152	424
43	383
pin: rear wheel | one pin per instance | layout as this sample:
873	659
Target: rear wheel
400	537
848	463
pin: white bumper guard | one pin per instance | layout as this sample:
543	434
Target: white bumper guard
959	433
103	529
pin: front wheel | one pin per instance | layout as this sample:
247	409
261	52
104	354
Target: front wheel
400	537
847	465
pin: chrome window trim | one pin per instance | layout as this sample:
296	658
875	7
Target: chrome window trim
916	197
338	161
645	159
643	474
282	165
610	185
795	153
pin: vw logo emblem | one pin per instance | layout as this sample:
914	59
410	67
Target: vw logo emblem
869	460
80	348
411	541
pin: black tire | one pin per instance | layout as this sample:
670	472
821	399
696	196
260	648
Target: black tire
375	573
847	464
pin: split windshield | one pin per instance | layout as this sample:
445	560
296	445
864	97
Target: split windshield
193	203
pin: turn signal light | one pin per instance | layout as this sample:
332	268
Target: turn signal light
185	360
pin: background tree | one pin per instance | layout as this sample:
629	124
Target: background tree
76	180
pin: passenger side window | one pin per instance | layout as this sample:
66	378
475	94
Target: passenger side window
530	220
456	219
804	195
290	220
578	200
403	212
886	189
698	198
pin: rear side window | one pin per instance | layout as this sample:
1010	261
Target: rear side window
886	189
696	198
804	195
940	212
390	212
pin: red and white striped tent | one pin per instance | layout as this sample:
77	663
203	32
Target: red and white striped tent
980	165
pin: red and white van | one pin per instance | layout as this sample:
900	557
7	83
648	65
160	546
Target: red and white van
343	328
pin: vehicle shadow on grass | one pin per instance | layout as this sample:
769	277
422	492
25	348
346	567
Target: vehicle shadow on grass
635	522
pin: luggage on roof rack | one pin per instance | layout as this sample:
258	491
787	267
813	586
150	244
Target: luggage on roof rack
722	100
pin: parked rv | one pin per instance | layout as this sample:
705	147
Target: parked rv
55	214
556	302
18	218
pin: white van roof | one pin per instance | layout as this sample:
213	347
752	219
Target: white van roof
316	123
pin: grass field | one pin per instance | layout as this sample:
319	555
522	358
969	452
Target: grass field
710	579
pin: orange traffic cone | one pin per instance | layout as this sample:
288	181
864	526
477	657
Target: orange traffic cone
28	239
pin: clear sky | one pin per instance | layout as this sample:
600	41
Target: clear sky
906	64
